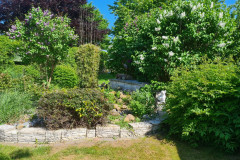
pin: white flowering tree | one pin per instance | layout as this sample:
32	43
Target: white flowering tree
154	44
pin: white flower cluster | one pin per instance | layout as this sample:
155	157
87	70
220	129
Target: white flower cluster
222	24
154	48
157	29
175	39
221	45
165	37
141	57
183	15
171	53
202	14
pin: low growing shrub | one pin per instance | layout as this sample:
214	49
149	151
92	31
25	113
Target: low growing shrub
203	104
143	102
5	81
87	59
73	108
13	104
65	76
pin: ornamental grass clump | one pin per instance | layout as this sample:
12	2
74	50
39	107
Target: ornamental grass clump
203	104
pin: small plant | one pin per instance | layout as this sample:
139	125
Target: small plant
143	102
13	104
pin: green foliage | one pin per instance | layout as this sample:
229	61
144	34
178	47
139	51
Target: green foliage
152	45
46	38
203	104
103	61
88	59
7	50
143	102
65	76
125	10
5	81
14	104
18	71
70	60
73	108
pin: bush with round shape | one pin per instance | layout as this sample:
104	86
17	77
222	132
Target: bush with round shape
152	45
88	59
65	76
73	108
203	104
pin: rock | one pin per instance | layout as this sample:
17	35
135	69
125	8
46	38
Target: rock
122	95
20	126
120	101
114	112
117	107
129	118
27	124
124	107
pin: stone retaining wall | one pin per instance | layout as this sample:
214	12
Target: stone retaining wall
39	135
131	85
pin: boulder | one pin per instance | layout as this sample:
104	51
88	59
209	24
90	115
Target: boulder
114	112
129	118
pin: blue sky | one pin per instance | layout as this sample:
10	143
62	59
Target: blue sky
102	5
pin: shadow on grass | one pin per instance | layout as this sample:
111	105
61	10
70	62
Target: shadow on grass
203	152
21	153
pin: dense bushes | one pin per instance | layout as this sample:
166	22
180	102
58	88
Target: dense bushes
87	58
7	50
65	76
73	108
152	45
13	105
5	81
143	102
203	104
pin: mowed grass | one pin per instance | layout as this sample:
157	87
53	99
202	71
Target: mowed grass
104	78
140	149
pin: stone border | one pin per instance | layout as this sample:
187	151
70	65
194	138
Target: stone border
10	134
131	85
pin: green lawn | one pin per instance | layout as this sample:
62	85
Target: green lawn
145	148
104	78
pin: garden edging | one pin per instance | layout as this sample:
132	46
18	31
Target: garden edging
10	134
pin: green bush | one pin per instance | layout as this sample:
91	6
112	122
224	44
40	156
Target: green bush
7	49
74	108
5	81
65	76
14	104
103	61
203	104
18	71
87	59
143	102
70	59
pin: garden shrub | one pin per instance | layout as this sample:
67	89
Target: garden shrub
87	59
103	61
13	104
5	81
65	76
152	45
203	104
7	49
83	107
143	102
70	59
18	71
